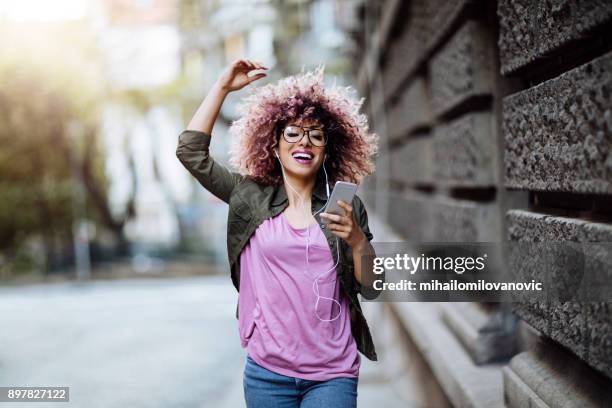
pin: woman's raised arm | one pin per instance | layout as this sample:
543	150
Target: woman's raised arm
194	141
235	77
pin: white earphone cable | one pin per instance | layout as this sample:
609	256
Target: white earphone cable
315	283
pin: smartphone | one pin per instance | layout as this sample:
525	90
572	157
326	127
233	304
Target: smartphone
343	190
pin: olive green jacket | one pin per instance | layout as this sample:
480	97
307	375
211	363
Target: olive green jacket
251	203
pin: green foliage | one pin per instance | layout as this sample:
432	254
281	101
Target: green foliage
49	111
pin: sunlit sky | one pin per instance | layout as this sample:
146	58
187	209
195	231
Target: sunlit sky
43	10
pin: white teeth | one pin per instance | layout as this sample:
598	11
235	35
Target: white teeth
302	156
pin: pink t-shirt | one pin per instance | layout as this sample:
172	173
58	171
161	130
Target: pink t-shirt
277	321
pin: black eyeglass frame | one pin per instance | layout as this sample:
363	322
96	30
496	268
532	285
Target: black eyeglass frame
305	131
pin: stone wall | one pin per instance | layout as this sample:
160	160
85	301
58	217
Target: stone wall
495	121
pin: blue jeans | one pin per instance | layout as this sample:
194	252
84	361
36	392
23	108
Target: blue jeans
266	389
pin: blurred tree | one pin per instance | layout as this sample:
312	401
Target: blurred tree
49	126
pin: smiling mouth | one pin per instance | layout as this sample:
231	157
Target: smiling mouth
303	158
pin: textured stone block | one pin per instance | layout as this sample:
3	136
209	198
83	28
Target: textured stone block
391	11
529	226
420	217
463	68
412	162
558	135
429	21
465	151
547	376
464	221
442	16
487	333
531	30
401	59
464	383
404	363
586	327
410	216
411	112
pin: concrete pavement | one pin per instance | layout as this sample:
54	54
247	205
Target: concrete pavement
135	343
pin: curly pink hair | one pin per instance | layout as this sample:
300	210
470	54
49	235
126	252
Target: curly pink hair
350	148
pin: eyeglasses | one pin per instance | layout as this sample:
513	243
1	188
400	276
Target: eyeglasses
294	134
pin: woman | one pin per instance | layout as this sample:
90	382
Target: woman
299	315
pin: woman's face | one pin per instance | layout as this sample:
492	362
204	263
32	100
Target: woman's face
302	159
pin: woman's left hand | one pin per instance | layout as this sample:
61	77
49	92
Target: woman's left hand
345	227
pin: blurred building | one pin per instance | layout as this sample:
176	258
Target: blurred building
137	130
495	126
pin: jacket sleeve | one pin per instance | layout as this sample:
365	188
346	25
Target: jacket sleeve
193	153
362	218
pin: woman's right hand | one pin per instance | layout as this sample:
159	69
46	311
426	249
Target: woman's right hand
236	77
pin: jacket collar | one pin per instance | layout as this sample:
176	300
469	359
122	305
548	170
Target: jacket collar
280	196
